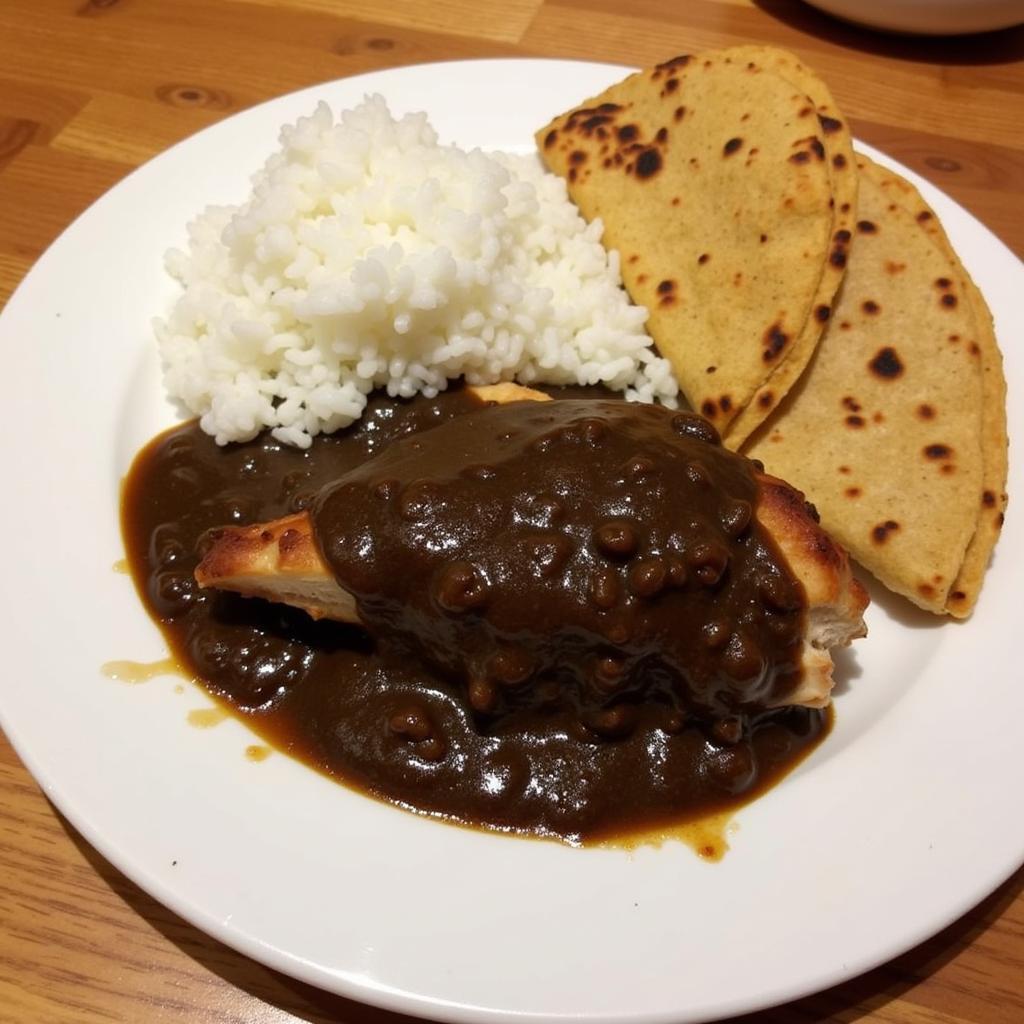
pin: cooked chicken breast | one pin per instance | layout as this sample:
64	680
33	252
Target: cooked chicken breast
280	561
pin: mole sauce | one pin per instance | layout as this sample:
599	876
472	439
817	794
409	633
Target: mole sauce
574	623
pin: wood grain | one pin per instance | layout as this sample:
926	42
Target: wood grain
91	88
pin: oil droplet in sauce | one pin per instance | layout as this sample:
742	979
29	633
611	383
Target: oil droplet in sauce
206	718
257	752
121	566
706	836
140	671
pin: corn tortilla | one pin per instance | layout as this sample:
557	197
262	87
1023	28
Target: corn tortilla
991	503
884	430
711	178
842	172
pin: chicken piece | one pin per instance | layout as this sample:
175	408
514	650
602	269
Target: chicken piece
277	561
280	561
835	598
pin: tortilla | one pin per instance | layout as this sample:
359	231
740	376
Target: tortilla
992	502
842	172
884	430
711	178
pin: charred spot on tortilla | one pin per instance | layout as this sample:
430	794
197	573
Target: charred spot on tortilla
880	533
886	363
648	163
775	339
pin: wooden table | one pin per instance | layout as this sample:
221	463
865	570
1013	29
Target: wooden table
89	89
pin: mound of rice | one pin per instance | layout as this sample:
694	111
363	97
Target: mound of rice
369	256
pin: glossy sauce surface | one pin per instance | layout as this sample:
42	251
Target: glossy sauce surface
531	711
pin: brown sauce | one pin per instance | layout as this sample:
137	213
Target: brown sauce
611	719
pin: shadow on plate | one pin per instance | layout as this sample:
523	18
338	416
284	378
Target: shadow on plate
846	1002
903	612
1003	47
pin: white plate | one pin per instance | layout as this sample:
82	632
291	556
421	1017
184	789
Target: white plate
905	817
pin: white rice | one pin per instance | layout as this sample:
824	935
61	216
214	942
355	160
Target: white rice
368	256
